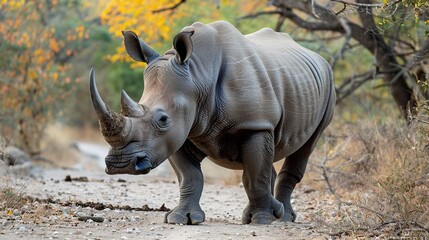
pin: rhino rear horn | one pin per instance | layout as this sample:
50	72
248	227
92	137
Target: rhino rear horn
111	123
129	107
137	49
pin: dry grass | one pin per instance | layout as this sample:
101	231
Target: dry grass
379	174
11	199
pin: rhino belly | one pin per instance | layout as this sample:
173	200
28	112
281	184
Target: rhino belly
227	163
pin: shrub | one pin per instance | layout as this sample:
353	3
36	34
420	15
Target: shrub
379	174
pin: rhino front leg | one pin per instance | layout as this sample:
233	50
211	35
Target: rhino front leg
186	164
257	154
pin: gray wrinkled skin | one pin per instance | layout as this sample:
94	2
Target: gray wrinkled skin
242	101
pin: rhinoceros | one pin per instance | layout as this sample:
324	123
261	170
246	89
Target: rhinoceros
242	101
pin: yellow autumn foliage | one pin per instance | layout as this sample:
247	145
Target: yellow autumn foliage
156	27
138	15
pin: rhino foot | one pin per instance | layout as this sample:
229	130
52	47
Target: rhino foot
263	215
290	215
185	216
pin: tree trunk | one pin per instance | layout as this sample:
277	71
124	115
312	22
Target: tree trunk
369	36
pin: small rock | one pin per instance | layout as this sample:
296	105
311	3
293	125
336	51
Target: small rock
253	233
129	230
15	156
25	208
16	212
22	229
65	210
89	233
100	215
4	222
92	218
124	238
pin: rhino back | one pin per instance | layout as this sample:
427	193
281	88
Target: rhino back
263	81
302	81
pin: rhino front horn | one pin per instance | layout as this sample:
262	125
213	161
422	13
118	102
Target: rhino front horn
129	107
99	106
111	123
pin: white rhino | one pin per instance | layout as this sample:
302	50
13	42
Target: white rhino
242	101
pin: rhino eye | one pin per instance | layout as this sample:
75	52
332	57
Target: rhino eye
162	120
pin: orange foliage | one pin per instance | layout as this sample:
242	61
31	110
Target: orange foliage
31	78
137	16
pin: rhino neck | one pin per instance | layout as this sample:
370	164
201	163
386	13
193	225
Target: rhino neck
207	75
211	66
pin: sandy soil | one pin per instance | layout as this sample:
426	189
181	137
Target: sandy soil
60	211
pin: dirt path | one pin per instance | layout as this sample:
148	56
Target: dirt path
57	212
62	209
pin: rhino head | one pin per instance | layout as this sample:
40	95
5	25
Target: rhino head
147	132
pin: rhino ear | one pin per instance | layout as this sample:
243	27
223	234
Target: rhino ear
183	45
137	49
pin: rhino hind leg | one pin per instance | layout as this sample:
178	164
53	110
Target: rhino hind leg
257	153
294	166
290	174
186	164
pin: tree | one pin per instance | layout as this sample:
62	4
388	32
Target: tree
391	32
37	40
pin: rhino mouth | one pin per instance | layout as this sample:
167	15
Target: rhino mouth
135	164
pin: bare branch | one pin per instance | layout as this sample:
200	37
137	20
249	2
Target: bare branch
414	118
310	7
342	10
352	83
169	8
255	15
313	26
367	4
416	59
348	36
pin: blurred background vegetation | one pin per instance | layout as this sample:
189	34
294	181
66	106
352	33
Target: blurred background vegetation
48	46
379	50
